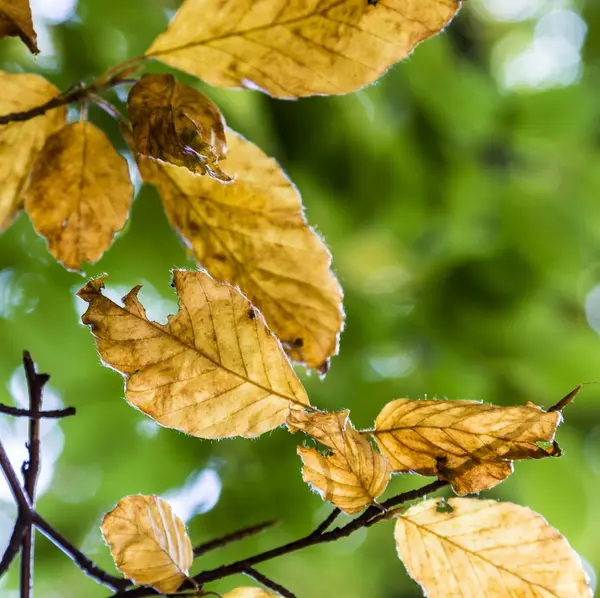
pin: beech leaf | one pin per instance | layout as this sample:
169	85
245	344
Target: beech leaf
20	142
487	549
470	444
252	233
248	592
354	475
296	48
79	194
148	542
213	371
15	21
177	124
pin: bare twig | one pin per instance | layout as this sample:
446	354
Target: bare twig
268	583
327	522
234	537
13	546
50	414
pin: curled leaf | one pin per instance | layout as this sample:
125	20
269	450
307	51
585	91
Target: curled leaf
470	444
15	21
487	549
177	124
148	542
354	474
213	371
79	194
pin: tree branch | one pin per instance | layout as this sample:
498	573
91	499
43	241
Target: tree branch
268	583
51	414
13	545
234	537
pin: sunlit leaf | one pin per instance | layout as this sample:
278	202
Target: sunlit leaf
21	141
148	542
252	233
249	593
79	194
487	549
354	474
15	20
470	444
214	370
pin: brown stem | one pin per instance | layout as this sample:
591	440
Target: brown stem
234	537
268	582
51	414
13	545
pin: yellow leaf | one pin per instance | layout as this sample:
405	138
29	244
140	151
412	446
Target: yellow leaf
214	370
21	141
470	444
249	593
252	233
15	20
487	549
354	475
148	542
296	48
79	194
177	124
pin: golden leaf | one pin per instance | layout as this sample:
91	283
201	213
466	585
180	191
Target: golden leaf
177	124
296	48
354	475
249	593
487	549
252	233
21	141
213	371
148	542
15	21
79	194
470	444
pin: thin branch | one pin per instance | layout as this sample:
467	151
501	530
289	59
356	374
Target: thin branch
50	414
268	582
13	545
328	522
234	537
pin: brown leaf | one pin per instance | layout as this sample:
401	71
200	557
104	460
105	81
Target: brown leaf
354	475
21	141
470	444
177	124
252	233
249	593
15	20
79	194
297	48
487	549
213	371
148	542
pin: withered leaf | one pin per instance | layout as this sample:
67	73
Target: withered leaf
21	141
252	233
15	21
79	193
148	542
487	549
296	48
212	371
249	593
354	474
470	444
177	124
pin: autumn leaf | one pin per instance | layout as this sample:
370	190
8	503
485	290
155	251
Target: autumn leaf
79	194
15	21
177	124
470	444
249	593
214	370
487	549
297	48
354	474
252	233
148	542
21	141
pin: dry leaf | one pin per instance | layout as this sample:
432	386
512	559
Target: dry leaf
249	593
354	475
148	542
470	444
214	370
252	233
79	194
487	549
177	124
21	141
295	48
15	20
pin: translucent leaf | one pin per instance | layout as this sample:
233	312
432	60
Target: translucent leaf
148	542
79	194
354	475
487	549
295	48
249	593
15	21
214	370
470	444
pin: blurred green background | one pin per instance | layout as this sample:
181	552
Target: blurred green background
460	199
